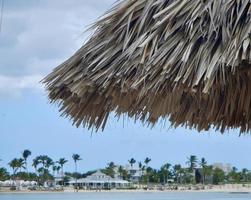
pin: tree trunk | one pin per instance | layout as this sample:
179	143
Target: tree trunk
76	187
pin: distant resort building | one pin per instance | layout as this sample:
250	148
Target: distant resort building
134	173
59	178
99	180
227	168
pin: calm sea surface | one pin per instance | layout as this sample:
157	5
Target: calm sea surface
127	196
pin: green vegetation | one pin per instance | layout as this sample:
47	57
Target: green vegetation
26	153
76	158
218	176
4	175
196	171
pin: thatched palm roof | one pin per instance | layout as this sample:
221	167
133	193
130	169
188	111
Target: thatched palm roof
186	61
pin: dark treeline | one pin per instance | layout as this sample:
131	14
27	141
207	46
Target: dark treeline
197	171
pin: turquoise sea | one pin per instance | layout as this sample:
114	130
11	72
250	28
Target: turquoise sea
127	196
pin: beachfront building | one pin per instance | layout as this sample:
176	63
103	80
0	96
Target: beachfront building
99	180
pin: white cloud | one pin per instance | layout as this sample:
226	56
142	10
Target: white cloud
11	86
39	35
21	82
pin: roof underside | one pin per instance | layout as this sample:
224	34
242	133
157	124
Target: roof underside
178	60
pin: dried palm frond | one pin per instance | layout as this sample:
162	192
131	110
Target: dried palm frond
187	61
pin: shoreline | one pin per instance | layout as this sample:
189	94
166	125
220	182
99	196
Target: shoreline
214	189
123	191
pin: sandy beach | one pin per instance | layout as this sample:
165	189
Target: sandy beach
229	188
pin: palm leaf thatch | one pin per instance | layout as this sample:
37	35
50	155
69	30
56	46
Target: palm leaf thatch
187	61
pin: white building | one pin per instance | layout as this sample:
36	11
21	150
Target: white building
99	180
135	173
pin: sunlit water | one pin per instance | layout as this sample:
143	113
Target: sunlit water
126	196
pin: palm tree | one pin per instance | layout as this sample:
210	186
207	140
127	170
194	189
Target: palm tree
76	158
109	170
147	160
203	164
49	162
62	162
43	160
244	173
21	164
234	169
14	165
165	171
192	164
208	170
46	163
192	161
111	165
120	171
140	172
58	169
132	161
177	170
140	164
26	153
35	163
140	167
54	169
41	171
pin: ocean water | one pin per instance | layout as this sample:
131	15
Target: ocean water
127	196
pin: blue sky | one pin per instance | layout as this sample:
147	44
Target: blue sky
36	36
